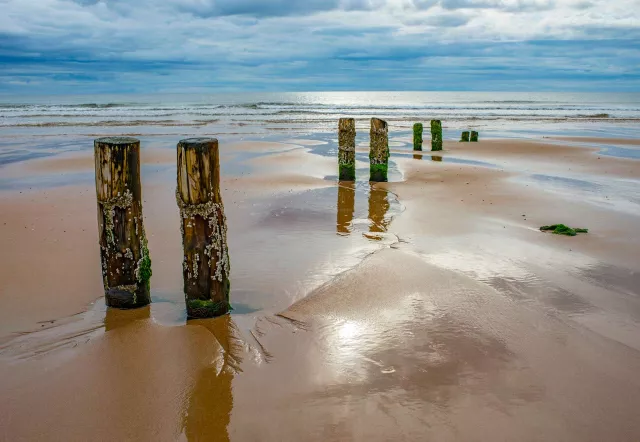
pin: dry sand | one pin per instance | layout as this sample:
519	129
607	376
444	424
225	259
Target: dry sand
463	323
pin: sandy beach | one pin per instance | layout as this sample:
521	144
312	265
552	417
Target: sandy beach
430	307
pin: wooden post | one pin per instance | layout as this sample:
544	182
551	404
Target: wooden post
417	136
474	136
204	229
126	266
379	150
347	149
436	135
464	138
346	207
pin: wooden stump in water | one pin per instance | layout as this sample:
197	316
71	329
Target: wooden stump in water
436	135
417	136
464	138
474	136
379	150
126	266
347	149
204	228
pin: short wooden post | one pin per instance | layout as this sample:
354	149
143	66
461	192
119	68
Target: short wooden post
346	207
204	228
379	150
474	136
436	135
126	266
464	138
347	149
417	136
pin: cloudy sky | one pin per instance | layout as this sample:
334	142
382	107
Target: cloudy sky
90	46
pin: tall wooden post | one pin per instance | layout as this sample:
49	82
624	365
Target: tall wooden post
417	136
347	149
126	266
204	228
346	207
464	138
474	136
436	135
379	150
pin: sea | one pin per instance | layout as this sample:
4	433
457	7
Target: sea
34	121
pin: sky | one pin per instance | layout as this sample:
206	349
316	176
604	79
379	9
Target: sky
148	46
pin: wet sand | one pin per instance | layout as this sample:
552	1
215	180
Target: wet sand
426	308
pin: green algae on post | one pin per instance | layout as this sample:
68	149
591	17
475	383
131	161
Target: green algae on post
204	229
124	255
464	138
379	150
474	136
347	149
436	135
417	136
561	229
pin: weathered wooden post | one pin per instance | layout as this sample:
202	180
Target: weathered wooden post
204	228
126	266
346	207
474	136
379	150
465	137
347	149
417	136
436	135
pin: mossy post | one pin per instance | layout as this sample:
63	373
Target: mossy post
474	136
126	266
436	135
204	228
417	136
379	150
464	138
347	149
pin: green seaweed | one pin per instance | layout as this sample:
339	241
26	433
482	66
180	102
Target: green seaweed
474	136
417	136
143	269
347	172
464	138
378	172
199	308
561	229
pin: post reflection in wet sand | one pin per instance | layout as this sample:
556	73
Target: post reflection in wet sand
378	208
208	413
115	318
417	156
436	158
346	206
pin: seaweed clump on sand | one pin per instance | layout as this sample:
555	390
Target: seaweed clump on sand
561	229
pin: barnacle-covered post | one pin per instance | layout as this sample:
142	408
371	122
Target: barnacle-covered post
379	150
464	138
126	266
436	135
347	149
204	228
474	136
417	136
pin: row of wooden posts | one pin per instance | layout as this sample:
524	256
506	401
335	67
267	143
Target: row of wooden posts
126	264
378	147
